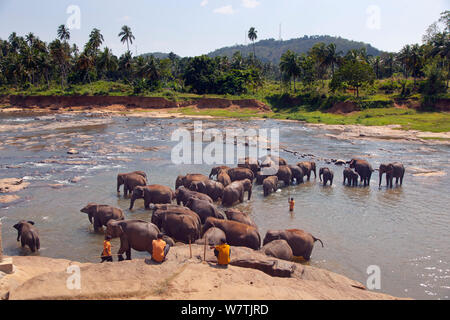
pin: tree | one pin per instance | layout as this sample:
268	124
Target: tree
252	35
95	41
332	58
63	33
126	36
353	74
289	66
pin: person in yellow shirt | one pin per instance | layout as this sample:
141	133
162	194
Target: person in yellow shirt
160	249
106	253
222	252
291	205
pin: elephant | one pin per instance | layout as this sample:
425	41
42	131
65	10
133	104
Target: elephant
297	174
278	249
238	234
130	181
152	194
249	163
284	174
162	210
301	242
211	188
235	192
133	234
204	209
188	179
183	195
351	177
239	216
363	168
308	167
179	226
28	235
393	170
216	170
237	174
213	236
270	161
224	178
102	214
327	175
270	185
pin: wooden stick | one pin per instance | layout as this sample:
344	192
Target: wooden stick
204	252
190	248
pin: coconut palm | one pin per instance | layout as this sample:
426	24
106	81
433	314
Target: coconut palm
289	66
127	36
252	35
63	33
95	40
331	57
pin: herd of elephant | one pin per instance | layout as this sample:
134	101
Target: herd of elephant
196	218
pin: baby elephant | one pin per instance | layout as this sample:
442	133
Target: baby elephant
28	235
327	176
351	177
270	185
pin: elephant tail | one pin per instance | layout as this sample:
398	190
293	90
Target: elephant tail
316	239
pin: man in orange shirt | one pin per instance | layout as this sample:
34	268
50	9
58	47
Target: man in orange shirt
223	253
160	249
106	254
291	205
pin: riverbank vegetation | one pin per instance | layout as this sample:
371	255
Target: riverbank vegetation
312	82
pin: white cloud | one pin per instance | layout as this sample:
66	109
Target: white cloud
224	10
204	3
250	3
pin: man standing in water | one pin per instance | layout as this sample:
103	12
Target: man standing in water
106	254
291	205
160	249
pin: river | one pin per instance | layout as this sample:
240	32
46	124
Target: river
404	231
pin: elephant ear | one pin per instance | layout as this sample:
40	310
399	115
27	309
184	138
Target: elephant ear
31	222
17	226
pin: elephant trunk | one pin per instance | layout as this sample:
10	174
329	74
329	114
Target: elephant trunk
381	177
133	199
249	194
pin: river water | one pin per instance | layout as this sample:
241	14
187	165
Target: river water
403	231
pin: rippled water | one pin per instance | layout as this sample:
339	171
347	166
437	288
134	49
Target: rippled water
404	231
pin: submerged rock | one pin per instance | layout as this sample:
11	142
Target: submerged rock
12	185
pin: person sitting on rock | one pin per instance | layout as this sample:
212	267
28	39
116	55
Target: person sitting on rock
160	249
222	252
106	254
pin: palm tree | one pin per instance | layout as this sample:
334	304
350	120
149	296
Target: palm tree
289	66
107	61
127	36
331	57
30	38
63	33
252	35
95	40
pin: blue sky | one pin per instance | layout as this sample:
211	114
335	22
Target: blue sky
193	27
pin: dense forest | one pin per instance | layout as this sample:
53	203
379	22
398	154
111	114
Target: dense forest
315	64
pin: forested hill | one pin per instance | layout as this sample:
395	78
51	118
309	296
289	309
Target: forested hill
271	50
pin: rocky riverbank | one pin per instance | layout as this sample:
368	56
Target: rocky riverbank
252	275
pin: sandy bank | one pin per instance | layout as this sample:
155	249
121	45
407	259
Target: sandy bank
181	278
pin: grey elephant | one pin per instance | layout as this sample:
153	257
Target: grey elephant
213	237
180	226
238	234
327	174
28	235
204	209
278	249
271	160
284	174
392	170
308	167
363	168
183	195
161	211
133	234
239	216
237	174
270	185
249	163
101	214
301	242
297	174
130	181
188	179
224	178
152	194
212	188
351	177
235	192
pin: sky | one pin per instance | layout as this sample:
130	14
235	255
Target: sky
195	27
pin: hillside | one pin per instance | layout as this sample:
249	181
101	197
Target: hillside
271	50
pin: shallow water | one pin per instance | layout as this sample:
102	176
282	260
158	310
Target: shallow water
404	231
